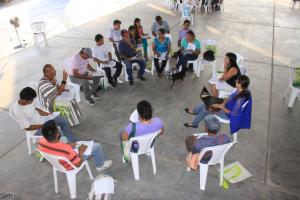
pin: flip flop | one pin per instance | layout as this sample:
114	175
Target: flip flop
188	112
189	125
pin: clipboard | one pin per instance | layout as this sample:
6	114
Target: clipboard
209	100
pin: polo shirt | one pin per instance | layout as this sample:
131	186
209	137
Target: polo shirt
209	141
126	50
60	149
79	63
115	34
155	26
156	124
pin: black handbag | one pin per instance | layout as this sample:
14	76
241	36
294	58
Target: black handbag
209	55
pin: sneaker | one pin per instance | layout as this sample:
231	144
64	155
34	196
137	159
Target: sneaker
131	82
141	78
106	165
90	101
120	81
95	96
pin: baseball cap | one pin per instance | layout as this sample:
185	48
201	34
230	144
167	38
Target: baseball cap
123	31
87	51
212	123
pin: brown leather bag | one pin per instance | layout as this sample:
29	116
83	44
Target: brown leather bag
192	161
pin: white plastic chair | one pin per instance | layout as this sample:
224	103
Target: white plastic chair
186	14
38	29
71	174
293	3
134	117
295	91
30	137
144	142
206	44
178	5
220	4
65	65
160	61
196	65
218	155
208	6
102	188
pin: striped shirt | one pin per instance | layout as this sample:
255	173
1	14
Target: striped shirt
47	91
60	149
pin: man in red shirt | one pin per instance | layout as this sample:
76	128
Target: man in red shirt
50	144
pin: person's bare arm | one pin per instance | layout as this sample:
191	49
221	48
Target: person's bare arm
61	88
228	74
42	112
81	150
162	130
109	56
124	136
77	75
100	61
33	127
89	67
111	40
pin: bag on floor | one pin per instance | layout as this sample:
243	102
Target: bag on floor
63	109
104	83
102	188
209	55
192	161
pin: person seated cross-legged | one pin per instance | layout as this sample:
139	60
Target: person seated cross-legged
50	144
127	49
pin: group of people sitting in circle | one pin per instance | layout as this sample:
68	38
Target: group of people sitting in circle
58	138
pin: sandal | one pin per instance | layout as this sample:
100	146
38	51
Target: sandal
188	112
190	125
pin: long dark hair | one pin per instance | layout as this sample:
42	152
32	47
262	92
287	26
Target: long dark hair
232	59
245	82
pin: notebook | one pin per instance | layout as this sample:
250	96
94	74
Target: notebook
209	100
89	145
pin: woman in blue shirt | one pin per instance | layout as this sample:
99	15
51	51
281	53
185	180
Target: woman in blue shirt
189	50
237	108
161	48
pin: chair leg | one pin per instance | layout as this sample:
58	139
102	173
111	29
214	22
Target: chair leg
221	172
89	170
45	39
135	165
153	160
203	175
55	180
152	68
293	96
71	177
214	71
234	137
28	144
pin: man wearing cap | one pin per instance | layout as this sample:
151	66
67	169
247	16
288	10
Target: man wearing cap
80	74
128	54
213	138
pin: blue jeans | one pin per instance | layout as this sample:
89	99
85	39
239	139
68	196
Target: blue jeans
201	112
141	71
97	154
183	61
64	126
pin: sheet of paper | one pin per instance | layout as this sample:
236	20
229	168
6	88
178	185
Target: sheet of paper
50	117
89	145
191	47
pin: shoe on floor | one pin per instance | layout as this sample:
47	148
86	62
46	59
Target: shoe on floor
141	78
190	125
95	96
90	101
106	165
131	82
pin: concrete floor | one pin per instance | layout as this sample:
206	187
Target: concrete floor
265	32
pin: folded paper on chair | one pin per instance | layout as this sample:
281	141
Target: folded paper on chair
209	100
50	117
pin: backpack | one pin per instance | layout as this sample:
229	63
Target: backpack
209	55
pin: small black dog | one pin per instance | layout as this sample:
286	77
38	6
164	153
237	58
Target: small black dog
175	76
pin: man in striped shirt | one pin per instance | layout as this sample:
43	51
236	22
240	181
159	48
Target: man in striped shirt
50	144
213	138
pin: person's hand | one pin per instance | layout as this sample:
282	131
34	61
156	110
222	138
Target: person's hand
73	145
157	54
65	75
218	106
82	148
106	62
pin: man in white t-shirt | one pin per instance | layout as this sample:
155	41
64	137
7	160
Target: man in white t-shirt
102	56
81	74
114	36
32	118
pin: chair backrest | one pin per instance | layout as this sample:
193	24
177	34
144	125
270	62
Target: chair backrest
210	45
144	142
65	65
218	152
294	73
11	114
38	27
186	10
134	117
54	160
